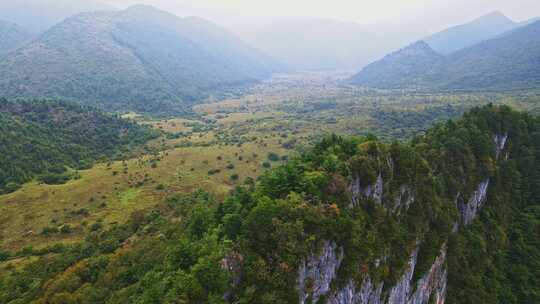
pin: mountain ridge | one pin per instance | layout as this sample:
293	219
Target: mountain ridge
471	33
507	62
12	36
140	59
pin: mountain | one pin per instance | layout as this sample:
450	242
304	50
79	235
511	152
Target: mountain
319	44
138	59
12	36
398	68
41	138
465	35
449	217
509	62
37	16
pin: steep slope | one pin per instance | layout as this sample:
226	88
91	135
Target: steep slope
139	59
12	36
399	68
350	221
465	35
39	15
509	62
43	137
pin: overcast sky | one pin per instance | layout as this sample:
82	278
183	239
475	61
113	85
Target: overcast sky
437	14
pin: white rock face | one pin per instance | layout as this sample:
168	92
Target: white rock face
432	284
404	200
500	143
470	210
318	272
368	293
374	192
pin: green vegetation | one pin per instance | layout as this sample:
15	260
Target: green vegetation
505	63
43	138
12	37
247	248
139	59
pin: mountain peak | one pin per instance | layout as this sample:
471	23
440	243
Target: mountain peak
494	16
471	33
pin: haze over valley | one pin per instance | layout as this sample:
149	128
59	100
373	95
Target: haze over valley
269	152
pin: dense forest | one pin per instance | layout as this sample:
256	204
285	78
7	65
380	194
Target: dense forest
371	199
47	139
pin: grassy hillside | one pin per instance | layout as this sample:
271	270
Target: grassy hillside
139	59
508	62
43	139
194	249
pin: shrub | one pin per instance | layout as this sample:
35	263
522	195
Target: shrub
49	230
66	229
273	157
4	255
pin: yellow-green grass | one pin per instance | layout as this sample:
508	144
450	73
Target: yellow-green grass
173	125
109	195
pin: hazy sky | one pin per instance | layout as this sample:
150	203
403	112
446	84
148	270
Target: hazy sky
436	13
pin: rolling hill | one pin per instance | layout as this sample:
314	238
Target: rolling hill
509	62
138	59
465	35
40	138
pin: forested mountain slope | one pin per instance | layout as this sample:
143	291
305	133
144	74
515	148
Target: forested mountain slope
37	16
12	36
138	59
42	138
508	62
469	34
451	216
399	68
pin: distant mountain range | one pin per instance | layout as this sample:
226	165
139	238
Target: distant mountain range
140	58
12	36
465	35
37	16
509	61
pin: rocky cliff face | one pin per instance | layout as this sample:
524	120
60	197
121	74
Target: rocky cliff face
500	143
317	273
321	270
431	286
373	192
470	209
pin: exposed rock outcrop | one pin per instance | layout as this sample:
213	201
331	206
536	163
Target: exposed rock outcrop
233	264
374	191
500	143
317	273
432	284
469	210
368	293
404	199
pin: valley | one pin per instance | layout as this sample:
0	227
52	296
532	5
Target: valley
207	152
227	143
